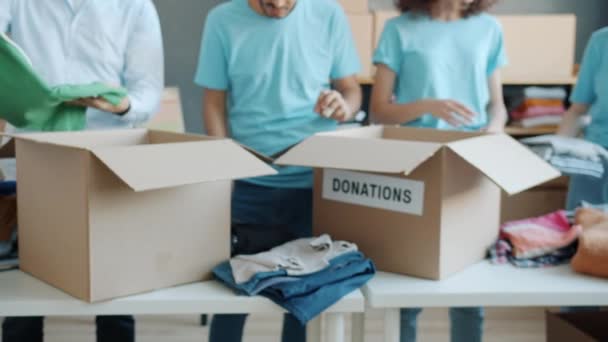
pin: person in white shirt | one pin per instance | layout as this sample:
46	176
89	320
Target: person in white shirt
84	41
117	42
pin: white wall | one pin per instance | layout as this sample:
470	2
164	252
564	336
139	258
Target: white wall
182	23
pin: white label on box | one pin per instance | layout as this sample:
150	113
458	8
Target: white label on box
382	192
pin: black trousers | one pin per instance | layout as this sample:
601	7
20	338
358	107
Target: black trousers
30	329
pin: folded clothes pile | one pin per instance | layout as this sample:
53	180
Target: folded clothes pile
305	276
539	106
536	242
572	156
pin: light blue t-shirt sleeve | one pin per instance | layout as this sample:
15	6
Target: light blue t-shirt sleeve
583	92
212	70
389	50
498	55
345	57
5	15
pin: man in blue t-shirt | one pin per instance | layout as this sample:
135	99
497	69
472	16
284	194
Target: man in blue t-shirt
275	72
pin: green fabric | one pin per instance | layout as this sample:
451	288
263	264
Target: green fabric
29	103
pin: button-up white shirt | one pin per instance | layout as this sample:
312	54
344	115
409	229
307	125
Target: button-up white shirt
117	42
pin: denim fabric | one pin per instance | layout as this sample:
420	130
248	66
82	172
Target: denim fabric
262	218
8	188
340	269
260	281
466	324
588	189
229	328
307	296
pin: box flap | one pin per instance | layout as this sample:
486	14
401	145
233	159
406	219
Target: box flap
371	155
89	139
259	155
505	161
149	167
269	159
373	131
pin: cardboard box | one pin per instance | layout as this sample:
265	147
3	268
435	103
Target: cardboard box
419	202
362	29
577	327
532	203
543	199
355	6
114	213
540	48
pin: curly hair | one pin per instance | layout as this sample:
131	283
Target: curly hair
424	6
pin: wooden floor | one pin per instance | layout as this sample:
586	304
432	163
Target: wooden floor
502	325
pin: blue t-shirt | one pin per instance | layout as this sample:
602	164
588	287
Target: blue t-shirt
274	71
443	60
592	87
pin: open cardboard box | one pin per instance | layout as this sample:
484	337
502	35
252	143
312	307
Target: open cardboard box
104	214
419	202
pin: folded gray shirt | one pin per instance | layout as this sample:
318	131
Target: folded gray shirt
297	258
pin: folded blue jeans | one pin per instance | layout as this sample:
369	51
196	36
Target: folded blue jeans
307	296
315	293
267	213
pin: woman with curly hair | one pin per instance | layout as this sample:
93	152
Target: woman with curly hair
438	67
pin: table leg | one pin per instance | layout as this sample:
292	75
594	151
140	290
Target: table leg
358	327
334	330
313	330
391	325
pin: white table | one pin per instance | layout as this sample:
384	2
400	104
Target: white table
484	284
23	295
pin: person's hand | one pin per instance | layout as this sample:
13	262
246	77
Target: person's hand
589	217
452	112
332	105
103	105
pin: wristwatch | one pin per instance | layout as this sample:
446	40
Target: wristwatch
125	111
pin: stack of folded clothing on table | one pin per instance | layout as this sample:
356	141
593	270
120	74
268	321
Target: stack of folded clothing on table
592	255
305	276
537	242
572	156
540	107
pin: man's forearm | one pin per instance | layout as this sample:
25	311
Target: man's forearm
215	125
571	125
353	97
498	115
